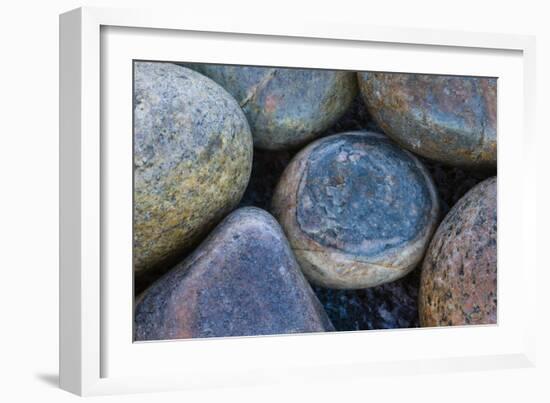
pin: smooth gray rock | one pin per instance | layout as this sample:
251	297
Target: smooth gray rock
286	107
243	280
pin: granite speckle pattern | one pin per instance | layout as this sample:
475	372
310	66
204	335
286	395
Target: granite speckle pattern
286	107
445	118
242	280
459	274
192	161
358	211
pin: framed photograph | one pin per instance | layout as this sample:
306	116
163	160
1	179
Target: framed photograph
245	202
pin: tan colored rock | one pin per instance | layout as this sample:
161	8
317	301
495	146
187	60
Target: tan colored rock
357	209
192	160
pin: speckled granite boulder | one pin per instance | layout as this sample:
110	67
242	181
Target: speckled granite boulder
242	280
459	274
192	160
357	209
286	107
448	119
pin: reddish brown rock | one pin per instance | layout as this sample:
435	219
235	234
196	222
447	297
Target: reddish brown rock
243	280
357	210
449	119
459	274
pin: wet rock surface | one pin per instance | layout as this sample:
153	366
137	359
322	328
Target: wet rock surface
445	118
192	161
242	280
459	273
286	107
358	211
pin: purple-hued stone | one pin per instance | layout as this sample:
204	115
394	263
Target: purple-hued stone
243	280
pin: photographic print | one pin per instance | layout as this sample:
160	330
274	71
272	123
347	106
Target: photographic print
272	201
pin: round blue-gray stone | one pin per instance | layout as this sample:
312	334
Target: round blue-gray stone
358	210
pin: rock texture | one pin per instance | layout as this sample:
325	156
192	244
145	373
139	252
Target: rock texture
242	280
192	160
358	211
445	118
388	306
459	273
286	107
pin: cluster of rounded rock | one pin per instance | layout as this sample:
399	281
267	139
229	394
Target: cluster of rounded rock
356	210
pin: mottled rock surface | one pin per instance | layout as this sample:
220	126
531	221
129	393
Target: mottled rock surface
459	273
358	211
286	107
388	306
192	161
445	118
242	280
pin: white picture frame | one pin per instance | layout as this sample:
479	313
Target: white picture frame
96	354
